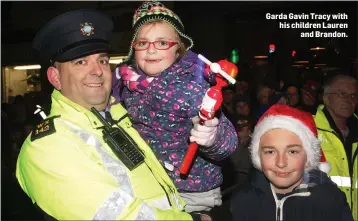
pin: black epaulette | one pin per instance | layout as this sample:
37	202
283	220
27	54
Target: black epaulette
45	128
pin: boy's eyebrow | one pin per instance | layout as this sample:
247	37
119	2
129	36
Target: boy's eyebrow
294	145
268	147
288	146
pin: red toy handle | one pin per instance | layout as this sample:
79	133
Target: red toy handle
211	103
189	158
190	154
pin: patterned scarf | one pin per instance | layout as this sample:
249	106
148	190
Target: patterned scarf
137	80
131	79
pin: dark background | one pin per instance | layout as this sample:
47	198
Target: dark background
216	27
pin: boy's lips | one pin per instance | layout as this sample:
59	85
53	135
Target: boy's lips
282	174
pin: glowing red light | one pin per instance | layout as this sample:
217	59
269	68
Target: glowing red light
272	48
293	53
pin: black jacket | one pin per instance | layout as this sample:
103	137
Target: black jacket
316	199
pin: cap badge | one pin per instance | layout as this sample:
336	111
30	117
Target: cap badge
87	29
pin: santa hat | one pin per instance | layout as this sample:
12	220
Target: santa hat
298	122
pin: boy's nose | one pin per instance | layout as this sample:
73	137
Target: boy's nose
281	161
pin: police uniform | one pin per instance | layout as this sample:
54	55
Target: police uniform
66	167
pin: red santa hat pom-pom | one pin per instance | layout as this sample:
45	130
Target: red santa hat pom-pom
324	165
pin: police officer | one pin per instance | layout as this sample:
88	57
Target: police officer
68	166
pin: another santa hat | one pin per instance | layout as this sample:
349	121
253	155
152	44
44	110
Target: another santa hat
298	122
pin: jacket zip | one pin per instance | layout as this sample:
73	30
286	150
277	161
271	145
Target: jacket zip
278	210
279	203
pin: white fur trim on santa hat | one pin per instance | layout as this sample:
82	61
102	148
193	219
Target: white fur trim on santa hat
310	143
325	167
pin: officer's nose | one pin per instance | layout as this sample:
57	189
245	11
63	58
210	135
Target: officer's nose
97	69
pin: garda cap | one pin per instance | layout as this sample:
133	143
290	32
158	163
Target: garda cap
73	35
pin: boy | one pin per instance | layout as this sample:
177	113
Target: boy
286	150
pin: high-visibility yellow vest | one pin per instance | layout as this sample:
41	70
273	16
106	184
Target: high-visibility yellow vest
72	174
336	155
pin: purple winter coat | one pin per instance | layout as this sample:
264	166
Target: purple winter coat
161	111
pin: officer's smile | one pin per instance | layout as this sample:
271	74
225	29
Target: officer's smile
94	85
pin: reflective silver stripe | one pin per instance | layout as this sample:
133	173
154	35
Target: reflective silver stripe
112	165
145	213
161	203
177	202
342	181
113	206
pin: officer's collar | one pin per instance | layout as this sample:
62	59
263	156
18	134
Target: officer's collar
63	101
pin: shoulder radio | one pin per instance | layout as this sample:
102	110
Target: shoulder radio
121	143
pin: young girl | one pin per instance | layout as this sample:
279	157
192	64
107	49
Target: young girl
288	185
164	87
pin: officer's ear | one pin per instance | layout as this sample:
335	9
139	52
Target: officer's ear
53	77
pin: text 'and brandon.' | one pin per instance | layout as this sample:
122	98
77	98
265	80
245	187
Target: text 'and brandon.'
332	22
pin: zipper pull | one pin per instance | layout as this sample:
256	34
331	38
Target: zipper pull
278	211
